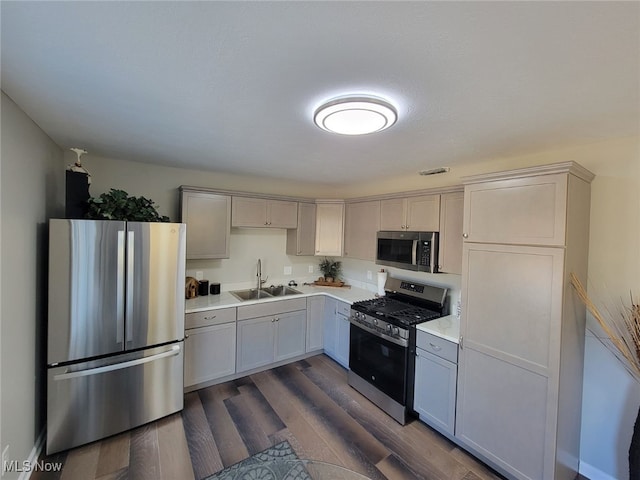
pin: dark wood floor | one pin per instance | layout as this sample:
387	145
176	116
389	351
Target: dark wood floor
307	403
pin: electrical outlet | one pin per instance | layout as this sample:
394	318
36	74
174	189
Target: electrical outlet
310	268
199	275
287	270
369	275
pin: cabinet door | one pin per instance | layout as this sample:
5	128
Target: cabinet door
248	212
282	214
362	222
423	213
342	340
209	353
302	240
392	214
208	219
330	327
315	323
329	229
435	391
527	210
291	334
451	213
256	343
509	361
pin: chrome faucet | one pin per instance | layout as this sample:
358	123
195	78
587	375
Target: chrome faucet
259	275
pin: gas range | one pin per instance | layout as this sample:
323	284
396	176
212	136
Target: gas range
406	304
382	343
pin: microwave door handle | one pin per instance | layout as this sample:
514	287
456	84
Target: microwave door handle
414	253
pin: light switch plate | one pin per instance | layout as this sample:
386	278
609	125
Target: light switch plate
369	275
310	268
287	270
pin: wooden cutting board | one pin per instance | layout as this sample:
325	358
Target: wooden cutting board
329	284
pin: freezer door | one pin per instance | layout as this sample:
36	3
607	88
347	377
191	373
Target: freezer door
93	400
86	289
155	283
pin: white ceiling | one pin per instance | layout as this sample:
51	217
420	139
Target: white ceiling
232	86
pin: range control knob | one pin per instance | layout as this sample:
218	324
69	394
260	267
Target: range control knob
395	331
389	328
375	321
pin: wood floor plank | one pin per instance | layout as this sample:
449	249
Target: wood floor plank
230	446
144	457
122	474
248	424
81	463
309	444
357	449
54	459
260	408
114	454
203	450
175	461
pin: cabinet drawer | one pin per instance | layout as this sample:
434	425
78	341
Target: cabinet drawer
209	317
438	346
271	308
343	309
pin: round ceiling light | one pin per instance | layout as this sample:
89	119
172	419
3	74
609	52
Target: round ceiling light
355	115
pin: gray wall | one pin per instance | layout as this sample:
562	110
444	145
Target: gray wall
32	182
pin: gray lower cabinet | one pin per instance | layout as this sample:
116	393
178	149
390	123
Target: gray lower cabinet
271	338
315	323
209	346
336	330
435	381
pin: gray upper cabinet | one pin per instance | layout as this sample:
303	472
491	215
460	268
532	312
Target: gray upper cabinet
302	240
417	214
362	221
208	219
262	212
451	213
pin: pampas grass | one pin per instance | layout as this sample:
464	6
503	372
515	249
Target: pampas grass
622	328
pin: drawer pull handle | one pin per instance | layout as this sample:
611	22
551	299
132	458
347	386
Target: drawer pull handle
210	318
435	347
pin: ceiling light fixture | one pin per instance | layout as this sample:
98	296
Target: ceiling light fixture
355	115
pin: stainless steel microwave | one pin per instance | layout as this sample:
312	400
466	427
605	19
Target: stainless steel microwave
408	250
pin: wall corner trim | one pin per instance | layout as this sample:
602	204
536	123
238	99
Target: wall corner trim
34	455
593	473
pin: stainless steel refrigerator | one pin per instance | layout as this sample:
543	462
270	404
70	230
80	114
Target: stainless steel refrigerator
116	327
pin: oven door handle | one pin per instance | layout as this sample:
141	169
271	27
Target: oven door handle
398	341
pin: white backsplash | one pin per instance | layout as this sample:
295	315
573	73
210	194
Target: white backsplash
250	244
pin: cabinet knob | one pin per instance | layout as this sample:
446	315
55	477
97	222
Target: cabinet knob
186	335
465	235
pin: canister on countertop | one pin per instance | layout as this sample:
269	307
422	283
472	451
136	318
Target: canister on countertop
203	287
215	288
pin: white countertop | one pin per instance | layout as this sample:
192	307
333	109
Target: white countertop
225	299
445	327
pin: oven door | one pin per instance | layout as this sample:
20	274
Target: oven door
380	362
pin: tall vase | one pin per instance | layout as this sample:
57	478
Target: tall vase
634	451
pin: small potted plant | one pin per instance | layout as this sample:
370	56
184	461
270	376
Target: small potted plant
331	270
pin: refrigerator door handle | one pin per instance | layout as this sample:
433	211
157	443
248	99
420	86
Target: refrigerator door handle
130	281
175	350
120	286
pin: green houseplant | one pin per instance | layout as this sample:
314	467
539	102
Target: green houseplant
330	269
118	205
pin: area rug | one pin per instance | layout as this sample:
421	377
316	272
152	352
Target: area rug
279	462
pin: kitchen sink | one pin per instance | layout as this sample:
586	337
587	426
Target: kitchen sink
280	290
250	294
267	292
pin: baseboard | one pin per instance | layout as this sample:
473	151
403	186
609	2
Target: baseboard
33	456
592	473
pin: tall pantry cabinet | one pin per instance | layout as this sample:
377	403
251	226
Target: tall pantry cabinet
522	328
